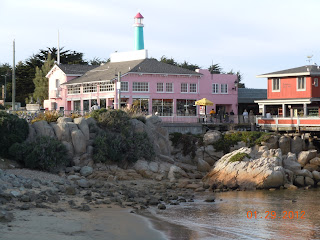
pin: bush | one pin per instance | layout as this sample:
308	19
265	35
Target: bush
49	116
122	148
45	153
188	142
12	130
239	157
114	120
250	138
95	113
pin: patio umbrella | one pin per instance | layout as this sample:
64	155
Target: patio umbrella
204	102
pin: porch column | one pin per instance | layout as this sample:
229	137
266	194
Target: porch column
263	110
284	110
304	109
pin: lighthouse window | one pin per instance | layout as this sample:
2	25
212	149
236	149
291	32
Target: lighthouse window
140	87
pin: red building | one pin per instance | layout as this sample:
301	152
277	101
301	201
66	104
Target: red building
292	92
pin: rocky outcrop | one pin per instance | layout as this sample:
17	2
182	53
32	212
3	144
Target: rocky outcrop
43	129
83	126
211	137
305	156
284	144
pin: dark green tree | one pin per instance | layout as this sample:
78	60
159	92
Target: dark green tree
215	69
41	82
239	78
66	56
170	61
189	66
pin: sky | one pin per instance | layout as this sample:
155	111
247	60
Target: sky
250	36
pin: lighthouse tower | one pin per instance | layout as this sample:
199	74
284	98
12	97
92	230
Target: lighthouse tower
138	32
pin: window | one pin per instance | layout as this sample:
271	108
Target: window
224	88
73	89
184	87
315	82
106	87
215	88
301	83
140	87
76	105
85	105
186	107
89	88
169	87
125	86
141	104
193	87
162	107
159	87
276	85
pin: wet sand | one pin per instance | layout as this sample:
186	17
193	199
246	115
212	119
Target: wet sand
102	223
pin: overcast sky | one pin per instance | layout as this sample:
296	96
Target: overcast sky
253	36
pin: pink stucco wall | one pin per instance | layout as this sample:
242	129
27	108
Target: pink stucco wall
227	101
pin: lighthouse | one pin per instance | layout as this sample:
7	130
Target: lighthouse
138	32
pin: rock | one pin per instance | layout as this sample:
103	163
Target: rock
85	208
70	190
290	186
299	181
154	167
15	194
209	199
290	162
83	126
305	156
211	137
6	216
78	141
308	181
25	206
86	171
153	119
194	186
250	173
69	148
32	134
83	183
62	131
203	166
296	144
64	120
311	167
162	206
165	158
272	142
315	161
316	175
285	144
142	167
175	173
43	129
138	126
304	173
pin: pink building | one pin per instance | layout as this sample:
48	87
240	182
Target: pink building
147	84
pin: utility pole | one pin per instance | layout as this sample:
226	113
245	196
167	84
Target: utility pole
119	90
14	80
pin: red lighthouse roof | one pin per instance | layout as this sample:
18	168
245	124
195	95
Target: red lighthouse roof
138	15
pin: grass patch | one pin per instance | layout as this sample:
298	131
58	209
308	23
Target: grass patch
239	157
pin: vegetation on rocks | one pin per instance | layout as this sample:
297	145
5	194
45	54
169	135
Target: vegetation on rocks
238	157
118	142
45	153
49	116
231	139
12	130
188	142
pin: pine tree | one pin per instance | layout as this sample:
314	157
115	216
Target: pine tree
41	82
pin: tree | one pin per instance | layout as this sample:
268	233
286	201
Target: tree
66	56
186	65
5	77
98	61
41	82
215	69
240	84
170	61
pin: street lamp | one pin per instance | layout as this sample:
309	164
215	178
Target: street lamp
235	85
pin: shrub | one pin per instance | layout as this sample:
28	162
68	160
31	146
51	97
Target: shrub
188	142
49	116
95	113
122	148
12	130
250	138
114	120
2	107
45	153
239	157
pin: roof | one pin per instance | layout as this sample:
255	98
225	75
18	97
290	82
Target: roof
108	71
77	69
248	95
138	15
307	70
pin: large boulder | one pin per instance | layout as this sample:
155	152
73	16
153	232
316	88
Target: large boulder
64	119
211	137
69	148
305	156
296	144
83	126
175	173
62	131
316	175
315	161
78	141
304	173
290	162
263	172
208	154
272	142
138	126
43	129
299	181
32	134
203	166
285	144
308	181
86	171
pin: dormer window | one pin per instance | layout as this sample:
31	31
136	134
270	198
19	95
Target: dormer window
276	85
301	84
